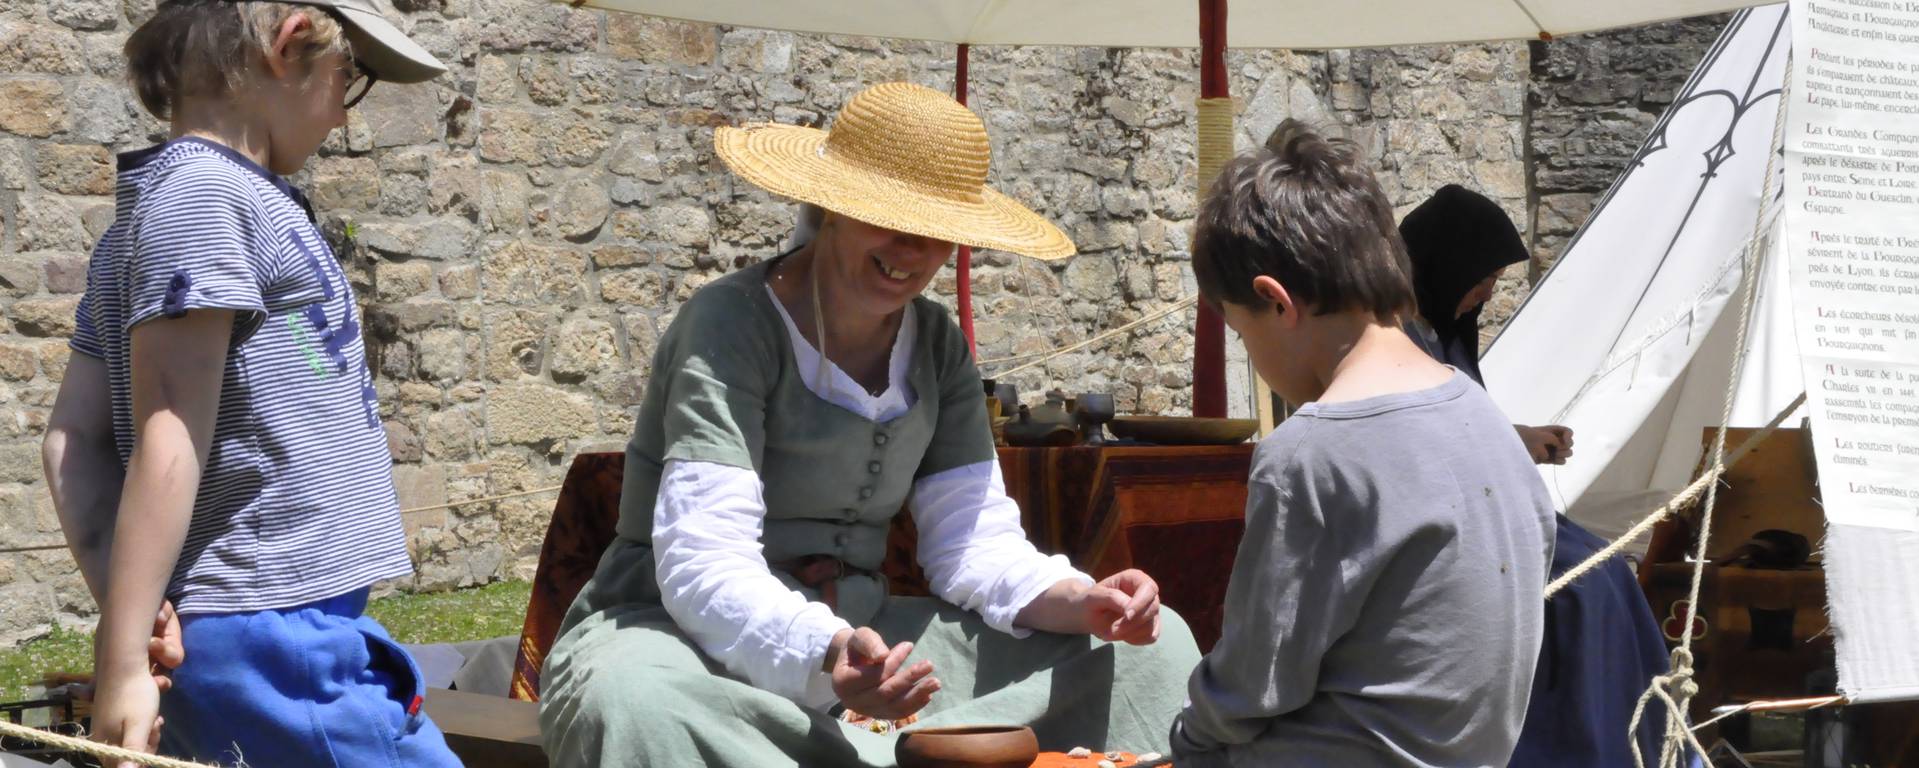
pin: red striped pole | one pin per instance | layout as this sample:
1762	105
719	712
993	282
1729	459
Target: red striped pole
1209	334
964	265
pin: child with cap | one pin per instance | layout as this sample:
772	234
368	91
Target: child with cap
216	446
1385	603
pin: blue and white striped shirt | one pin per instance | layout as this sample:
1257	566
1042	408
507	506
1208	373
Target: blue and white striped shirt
296	502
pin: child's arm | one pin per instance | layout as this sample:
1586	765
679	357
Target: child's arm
84	476
178	366
83	467
1287	601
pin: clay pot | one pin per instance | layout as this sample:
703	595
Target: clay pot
1028	431
967	746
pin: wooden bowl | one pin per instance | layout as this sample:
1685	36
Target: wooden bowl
1181	430
967	746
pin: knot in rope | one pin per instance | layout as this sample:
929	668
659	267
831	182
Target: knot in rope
1680	681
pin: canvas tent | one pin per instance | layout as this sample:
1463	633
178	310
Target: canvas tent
1630	339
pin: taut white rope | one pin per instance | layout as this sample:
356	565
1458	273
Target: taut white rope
94	748
1684	497
1045	357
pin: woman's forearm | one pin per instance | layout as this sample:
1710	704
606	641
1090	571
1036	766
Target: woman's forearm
714	582
974	551
1056	609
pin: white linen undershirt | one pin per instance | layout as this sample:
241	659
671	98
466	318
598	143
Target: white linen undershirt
712	571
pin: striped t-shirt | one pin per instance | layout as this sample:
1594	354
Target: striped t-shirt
296	502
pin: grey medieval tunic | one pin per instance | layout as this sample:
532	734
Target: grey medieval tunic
623	685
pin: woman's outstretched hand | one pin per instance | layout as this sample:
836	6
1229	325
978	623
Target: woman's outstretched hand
876	681
1121	608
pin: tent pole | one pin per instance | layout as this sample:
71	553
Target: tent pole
1209	334
964	263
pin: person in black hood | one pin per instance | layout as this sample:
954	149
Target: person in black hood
1602	644
1460	242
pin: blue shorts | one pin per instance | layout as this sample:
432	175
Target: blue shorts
313	685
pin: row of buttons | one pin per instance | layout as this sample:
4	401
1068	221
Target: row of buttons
873	467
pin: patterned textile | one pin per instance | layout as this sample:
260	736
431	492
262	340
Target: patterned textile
581	529
1173	512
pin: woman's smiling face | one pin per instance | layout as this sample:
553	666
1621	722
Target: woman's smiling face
876	270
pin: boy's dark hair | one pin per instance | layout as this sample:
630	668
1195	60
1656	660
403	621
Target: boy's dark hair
207	48
1304	210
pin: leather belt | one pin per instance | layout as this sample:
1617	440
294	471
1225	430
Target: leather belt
820	573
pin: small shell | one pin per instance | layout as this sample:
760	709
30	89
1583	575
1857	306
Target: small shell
1079	752
1115	755
1107	764
1150	757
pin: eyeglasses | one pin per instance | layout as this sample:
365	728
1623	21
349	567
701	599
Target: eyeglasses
360	79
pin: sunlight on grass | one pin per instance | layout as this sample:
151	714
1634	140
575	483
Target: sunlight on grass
441	617
450	617
63	650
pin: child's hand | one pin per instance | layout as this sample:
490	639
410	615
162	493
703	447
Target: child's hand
165	652
126	712
874	681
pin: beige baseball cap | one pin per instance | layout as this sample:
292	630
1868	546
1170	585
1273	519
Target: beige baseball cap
378	45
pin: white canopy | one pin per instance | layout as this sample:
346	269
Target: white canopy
1175	23
1636	321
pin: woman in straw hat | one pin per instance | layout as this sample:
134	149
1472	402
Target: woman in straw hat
796	406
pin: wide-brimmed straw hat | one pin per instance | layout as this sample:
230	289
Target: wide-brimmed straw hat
900	156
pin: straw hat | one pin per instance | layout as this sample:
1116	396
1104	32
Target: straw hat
900	156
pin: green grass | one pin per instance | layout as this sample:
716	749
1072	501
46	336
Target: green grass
442	617
450	617
63	650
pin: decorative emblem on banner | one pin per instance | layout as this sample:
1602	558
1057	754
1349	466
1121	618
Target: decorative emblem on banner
1676	619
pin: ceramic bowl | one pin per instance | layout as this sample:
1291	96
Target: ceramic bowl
967	746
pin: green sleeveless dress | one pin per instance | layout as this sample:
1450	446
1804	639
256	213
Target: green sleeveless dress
623	686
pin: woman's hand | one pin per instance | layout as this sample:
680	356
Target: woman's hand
875	681
1121	608
1551	444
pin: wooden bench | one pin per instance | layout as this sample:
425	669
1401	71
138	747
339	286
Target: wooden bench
488	731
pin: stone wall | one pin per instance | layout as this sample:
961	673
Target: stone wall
521	231
1594	99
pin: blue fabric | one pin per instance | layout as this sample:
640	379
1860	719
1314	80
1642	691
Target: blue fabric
1602	648
313	685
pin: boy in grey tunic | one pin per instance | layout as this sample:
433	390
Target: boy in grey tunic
1385	605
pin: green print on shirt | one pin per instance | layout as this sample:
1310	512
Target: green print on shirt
305	342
